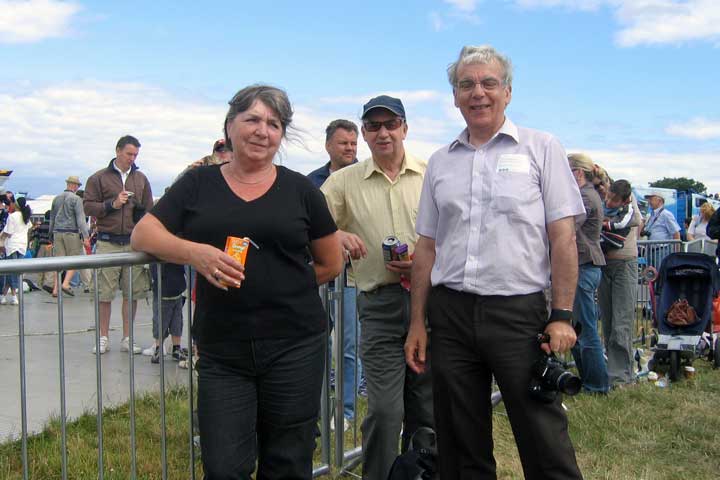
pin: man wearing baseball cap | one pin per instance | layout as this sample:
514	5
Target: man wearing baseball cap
68	228
662	224
370	201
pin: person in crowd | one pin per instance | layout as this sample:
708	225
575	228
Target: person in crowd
259	324
588	351
44	242
220	154
168	304
662	224
698	224
618	290
5	207
117	196
68	228
618	215
15	233
493	183
713	230
341	145
601	181
370	201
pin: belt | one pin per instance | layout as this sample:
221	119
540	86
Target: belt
66	230
113	238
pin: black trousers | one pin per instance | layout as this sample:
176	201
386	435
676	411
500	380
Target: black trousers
263	406
473	338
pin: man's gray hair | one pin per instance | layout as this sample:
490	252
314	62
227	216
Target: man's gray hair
483	54
339	123
274	98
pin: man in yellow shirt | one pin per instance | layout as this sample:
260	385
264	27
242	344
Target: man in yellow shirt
370	201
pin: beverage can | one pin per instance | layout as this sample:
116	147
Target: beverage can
388	246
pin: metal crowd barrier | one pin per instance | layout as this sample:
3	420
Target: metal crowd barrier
332	300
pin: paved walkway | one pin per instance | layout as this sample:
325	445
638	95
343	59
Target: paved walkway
42	361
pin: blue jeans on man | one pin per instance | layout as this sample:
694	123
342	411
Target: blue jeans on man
350	337
588	351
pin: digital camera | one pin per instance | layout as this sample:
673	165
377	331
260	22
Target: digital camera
549	377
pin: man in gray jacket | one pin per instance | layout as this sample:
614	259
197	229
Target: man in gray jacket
68	228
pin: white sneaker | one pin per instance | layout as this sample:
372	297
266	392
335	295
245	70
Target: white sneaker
13	300
149	351
125	346
3	300
346	424
104	345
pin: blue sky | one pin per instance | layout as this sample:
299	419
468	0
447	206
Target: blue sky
633	83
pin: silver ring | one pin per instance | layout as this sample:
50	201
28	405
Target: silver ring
216	273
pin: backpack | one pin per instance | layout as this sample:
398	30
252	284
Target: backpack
419	462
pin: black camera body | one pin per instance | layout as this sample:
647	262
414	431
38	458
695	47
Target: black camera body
550	377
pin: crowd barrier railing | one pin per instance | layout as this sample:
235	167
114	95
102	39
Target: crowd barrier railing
332	301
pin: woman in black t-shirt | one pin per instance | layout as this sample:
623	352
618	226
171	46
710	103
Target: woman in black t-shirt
259	327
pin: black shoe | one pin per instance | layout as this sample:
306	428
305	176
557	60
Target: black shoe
47	288
179	354
156	355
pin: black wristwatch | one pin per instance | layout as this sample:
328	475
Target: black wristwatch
561	315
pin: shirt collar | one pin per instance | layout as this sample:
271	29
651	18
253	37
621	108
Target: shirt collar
409	163
508	129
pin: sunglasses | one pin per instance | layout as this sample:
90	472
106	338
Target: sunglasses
222	149
393	124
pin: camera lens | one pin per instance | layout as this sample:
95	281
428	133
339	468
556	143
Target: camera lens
568	383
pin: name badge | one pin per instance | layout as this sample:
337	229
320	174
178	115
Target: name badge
513	162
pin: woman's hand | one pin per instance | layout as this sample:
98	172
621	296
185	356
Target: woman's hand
219	269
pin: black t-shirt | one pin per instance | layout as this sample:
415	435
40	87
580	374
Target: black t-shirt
279	297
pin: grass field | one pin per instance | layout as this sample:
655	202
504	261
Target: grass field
642	432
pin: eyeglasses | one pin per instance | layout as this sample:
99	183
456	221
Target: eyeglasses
222	149
488	84
393	124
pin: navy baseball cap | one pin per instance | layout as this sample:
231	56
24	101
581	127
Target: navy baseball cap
388	103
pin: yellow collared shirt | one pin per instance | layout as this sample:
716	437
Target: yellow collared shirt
364	201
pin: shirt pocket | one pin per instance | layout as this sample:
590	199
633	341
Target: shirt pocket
512	193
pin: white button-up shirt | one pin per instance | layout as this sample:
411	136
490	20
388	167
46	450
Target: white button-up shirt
487	209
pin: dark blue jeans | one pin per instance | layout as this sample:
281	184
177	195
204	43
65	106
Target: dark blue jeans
262	405
588	350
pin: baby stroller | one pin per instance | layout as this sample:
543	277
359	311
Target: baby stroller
694	278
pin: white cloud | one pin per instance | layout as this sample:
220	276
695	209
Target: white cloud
647	22
463	5
641	167
57	130
51	132
697	128
34	20
666	21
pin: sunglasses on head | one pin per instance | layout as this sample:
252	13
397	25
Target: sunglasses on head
393	124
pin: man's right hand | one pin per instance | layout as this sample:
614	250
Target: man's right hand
416	347
353	245
120	200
